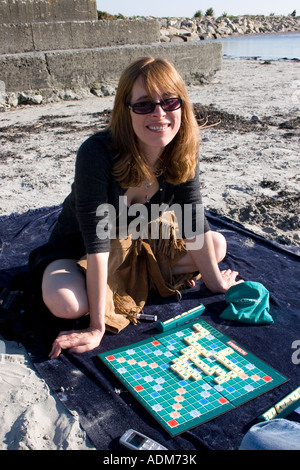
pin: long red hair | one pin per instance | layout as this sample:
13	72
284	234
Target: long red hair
179	158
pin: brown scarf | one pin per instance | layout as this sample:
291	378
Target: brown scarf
138	267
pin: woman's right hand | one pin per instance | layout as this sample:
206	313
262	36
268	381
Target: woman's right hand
76	341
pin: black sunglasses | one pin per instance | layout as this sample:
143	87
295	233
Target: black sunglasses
147	107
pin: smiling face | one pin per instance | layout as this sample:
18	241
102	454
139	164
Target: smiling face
154	130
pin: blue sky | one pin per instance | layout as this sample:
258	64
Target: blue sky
161	8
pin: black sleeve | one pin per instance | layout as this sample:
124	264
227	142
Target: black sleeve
92	176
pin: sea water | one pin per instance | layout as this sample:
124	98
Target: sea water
266	47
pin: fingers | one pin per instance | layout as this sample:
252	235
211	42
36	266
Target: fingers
65	340
229	279
55	351
76	341
229	273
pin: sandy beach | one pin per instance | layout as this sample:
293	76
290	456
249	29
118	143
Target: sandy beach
249	163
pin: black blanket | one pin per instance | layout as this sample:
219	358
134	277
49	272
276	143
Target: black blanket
105	408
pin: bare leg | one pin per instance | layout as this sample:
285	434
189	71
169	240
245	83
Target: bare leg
187	265
205	259
64	289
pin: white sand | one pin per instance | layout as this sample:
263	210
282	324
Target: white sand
252	177
31	417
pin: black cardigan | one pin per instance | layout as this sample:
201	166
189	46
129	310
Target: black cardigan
94	184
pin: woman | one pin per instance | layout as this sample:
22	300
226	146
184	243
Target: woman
147	155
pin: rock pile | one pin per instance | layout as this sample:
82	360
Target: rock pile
193	29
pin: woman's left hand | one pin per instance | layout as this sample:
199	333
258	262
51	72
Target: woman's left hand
76	341
229	279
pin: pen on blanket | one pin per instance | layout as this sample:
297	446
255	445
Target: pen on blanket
144	316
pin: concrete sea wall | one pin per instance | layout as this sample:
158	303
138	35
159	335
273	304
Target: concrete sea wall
53	49
62	35
29	11
92	68
49	48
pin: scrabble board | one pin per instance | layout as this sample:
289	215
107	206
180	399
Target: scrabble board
189	375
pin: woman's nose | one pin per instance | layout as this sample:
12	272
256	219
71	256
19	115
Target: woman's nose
158	110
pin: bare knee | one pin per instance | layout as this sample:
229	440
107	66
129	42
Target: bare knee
65	305
64	290
220	246
187	263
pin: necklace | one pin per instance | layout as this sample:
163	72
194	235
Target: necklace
147	186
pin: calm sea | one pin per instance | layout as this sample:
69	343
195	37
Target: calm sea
266	47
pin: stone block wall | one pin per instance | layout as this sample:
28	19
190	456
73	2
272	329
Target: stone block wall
29	11
49	46
62	35
87	69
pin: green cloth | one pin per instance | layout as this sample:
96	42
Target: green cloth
248	303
